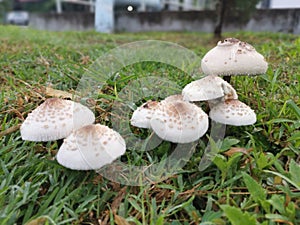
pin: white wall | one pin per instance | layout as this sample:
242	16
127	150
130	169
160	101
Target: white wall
284	4
284	20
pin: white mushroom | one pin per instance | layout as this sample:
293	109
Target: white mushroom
90	148
233	57
142	115
179	121
208	88
55	119
233	112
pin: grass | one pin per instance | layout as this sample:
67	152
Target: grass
254	178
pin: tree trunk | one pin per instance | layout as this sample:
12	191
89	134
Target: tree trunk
221	9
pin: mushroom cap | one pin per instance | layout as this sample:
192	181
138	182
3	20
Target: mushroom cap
90	148
233	57
173	98
55	119
179	121
208	88
142	115
233	112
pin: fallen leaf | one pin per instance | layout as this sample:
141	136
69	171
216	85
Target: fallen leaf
119	220
20	101
277	180
37	221
58	93
283	221
118	199
234	150
43	61
84	60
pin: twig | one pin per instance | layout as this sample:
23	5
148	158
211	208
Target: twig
10	130
200	192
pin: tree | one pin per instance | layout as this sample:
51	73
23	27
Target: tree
39	5
221	7
5	6
233	8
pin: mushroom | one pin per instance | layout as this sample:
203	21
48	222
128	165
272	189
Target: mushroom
55	119
172	119
232	112
233	57
179	121
90	148
142	115
208	88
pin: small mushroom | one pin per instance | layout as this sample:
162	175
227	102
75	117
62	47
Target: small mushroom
142	115
233	57
232	112
208	88
90	148
179	121
55	119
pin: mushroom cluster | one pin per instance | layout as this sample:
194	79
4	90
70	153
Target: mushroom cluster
86	146
231	57
89	146
177	119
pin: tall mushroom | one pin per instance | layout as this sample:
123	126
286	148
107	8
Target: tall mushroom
233	57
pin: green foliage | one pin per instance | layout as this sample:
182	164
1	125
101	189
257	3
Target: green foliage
240	10
281	209
237	217
257	192
5	6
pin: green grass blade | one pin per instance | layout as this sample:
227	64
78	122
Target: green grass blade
284	177
294	107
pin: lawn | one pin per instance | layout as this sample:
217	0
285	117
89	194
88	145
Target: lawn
253	179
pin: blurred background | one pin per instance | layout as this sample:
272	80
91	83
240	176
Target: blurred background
155	15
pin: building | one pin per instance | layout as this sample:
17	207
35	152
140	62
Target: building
279	4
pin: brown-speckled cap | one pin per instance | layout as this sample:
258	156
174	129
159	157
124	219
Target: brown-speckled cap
233	57
179	121
233	112
142	115
90	148
55	119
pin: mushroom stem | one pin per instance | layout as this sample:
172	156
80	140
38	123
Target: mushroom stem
227	78
218	131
